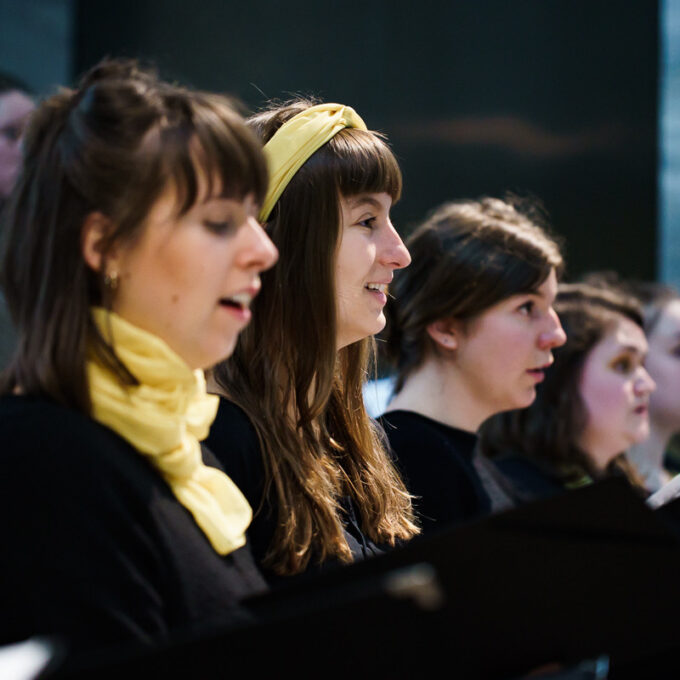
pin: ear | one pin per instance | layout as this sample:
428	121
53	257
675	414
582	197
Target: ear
95	229
445	333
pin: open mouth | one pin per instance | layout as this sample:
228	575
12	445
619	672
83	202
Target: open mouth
239	302
641	410
378	287
538	373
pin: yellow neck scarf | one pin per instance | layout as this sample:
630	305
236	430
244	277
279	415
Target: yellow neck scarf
164	418
297	139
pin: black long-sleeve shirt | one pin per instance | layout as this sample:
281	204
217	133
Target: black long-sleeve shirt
436	462
95	547
234	442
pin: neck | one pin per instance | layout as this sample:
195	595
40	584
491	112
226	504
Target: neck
433	392
648	457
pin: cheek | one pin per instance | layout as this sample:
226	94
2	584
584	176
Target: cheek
665	400
605	397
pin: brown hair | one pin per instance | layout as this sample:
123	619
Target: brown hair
302	395
466	257
652	295
549	429
111	145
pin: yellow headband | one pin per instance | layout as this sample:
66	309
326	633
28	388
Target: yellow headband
297	139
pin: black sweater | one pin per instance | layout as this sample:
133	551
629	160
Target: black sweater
436	462
95	547
234	442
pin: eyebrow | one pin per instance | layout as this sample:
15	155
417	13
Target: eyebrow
633	349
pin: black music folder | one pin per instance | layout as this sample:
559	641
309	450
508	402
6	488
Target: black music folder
589	573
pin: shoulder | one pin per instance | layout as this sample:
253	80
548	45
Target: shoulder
411	433
231	427
37	431
531	480
71	460
428	452
234	442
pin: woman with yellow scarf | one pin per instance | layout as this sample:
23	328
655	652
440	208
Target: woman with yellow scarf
132	254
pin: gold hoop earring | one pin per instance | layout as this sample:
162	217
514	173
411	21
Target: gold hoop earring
111	280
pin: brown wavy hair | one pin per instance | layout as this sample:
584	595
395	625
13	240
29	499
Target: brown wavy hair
547	432
302	395
466	257
111	145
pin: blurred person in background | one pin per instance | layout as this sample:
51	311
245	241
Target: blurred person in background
16	106
661	311
592	406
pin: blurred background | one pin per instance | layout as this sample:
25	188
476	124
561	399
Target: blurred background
576	102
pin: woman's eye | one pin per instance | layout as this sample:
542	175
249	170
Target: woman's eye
369	222
11	133
528	307
622	365
218	227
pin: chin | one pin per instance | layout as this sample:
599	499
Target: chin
218	354
374	328
526	400
639	436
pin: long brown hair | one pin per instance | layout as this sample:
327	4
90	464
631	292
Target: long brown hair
466	257
548	431
302	395
111	145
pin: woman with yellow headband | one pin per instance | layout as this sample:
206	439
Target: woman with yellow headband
132	253
293	432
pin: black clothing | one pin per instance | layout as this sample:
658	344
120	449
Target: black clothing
436	462
531	480
7	334
95	546
234	442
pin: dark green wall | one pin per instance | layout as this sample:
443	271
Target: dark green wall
552	97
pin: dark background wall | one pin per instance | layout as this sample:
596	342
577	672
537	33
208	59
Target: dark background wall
553	98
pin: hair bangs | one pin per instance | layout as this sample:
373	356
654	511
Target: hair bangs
492	273
365	164
215	155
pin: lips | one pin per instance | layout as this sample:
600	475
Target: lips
641	410
379	287
239	303
378	291
539	373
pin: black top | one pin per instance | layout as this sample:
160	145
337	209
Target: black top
436	462
95	547
531	479
234	442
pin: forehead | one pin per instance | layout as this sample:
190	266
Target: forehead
548	288
546	291
14	105
669	320
624	335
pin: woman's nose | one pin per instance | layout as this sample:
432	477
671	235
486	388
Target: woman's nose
394	253
645	383
554	336
258	250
